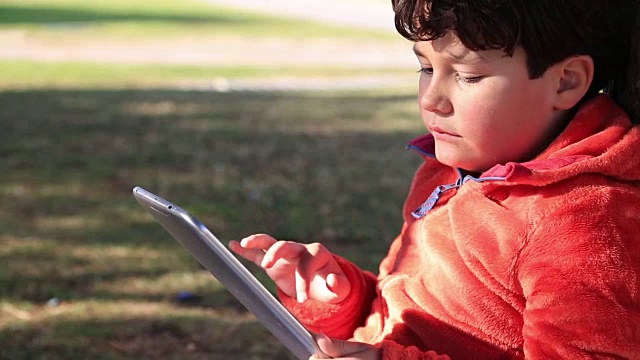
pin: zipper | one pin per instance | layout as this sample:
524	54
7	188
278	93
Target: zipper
431	201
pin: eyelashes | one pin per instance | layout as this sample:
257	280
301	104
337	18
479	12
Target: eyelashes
469	80
458	77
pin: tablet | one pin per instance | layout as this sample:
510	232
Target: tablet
222	264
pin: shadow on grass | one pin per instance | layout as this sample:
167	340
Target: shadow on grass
306	166
12	15
137	337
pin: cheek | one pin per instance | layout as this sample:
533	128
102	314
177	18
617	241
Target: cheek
500	108
479	117
489	128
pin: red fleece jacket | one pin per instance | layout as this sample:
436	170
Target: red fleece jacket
536	260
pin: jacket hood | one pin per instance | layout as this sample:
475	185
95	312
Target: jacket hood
600	139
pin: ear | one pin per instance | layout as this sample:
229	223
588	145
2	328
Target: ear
575	75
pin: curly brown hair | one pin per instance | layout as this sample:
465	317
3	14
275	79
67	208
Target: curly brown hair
548	30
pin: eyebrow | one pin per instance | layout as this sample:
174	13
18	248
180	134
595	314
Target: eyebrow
469	56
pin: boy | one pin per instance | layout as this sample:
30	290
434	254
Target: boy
522	228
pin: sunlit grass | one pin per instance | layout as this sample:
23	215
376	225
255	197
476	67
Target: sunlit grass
130	329
86	273
32	74
172	283
78	19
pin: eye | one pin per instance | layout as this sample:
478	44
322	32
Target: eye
426	70
470	79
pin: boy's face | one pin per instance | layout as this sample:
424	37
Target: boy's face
481	107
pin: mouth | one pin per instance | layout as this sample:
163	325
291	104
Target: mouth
436	130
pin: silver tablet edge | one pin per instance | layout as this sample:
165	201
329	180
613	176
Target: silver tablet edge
161	206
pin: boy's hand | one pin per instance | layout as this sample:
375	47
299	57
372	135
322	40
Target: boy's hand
346	350
302	271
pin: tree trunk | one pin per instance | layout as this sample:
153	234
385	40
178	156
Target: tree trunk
629	96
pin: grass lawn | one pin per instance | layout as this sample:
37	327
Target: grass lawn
33	74
85	273
143	19
327	167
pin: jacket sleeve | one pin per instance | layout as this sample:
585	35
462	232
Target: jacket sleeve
341	320
391	350
579	270
337	320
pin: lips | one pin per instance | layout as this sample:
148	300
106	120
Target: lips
436	130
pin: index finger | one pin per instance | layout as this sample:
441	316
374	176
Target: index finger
287	250
253	255
258	241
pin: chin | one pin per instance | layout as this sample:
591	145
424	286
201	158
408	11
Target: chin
458	163
449	162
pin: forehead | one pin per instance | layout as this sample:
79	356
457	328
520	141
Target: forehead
450	47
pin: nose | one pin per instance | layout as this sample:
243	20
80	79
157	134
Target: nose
434	98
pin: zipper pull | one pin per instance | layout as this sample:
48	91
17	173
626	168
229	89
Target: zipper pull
431	201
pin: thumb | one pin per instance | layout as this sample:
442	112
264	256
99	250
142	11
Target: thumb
339	348
338	285
331	288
